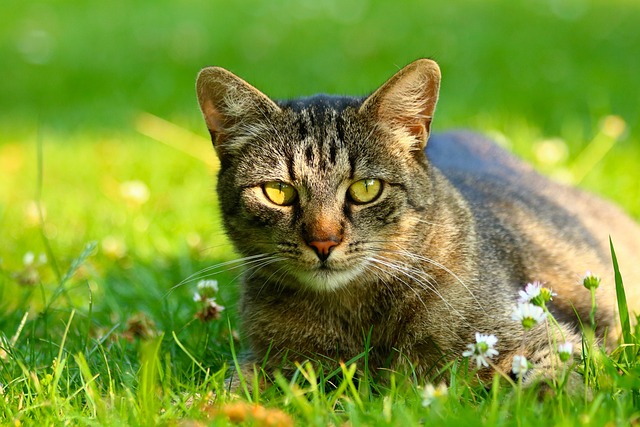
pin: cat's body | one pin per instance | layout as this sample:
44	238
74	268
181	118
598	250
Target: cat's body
353	235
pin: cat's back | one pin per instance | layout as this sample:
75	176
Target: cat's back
487	174
554	219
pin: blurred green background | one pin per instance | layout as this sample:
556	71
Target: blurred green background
104	91
75	65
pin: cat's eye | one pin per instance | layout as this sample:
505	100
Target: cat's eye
280	193
365	190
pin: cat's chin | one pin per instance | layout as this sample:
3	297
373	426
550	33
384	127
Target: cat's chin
327	279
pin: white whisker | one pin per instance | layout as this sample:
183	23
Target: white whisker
264	263
220	268
386	264
414	256
411	273
277	285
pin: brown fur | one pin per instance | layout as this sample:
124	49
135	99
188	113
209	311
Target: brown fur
459	228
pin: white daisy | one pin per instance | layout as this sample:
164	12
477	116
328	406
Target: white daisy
520	365
531	291
482	350
431	393
565	350
536	294
528	314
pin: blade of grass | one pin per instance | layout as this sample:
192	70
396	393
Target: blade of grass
66	333
623	309
148	376
236	364
90	388
193	359
75	265
14	338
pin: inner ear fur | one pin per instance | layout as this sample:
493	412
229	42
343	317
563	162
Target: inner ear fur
405	104
228	102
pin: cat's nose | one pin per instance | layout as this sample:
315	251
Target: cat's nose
323	248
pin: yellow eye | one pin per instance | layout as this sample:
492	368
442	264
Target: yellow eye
279	193
365	190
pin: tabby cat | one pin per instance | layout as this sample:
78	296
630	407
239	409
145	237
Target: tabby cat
351	230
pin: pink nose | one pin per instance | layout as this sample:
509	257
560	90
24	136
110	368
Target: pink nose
323	248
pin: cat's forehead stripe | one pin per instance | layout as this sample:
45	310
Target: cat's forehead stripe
303	130
322	130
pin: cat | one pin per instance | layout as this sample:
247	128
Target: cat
353	228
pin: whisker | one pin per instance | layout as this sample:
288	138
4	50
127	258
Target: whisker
372	259
209	271
419	273
412	255
263	264
200	274
254	268
281	268
428	286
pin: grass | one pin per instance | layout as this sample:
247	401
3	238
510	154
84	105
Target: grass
105	169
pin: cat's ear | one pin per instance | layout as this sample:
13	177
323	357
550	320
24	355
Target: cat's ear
405	104
231	107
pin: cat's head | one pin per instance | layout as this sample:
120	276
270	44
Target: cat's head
322	190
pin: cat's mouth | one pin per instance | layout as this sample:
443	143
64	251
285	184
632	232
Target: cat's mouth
321	268
326	277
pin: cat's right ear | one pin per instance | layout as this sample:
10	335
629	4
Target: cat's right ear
232	108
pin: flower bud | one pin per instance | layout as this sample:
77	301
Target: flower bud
565	350
591	281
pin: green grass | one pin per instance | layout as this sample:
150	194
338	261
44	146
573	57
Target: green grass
105	169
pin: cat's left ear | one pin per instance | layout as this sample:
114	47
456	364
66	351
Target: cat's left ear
405	104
